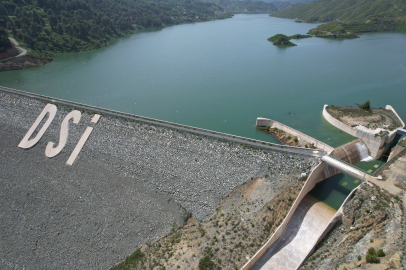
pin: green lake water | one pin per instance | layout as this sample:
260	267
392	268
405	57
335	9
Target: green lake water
370	166
222	75
334	190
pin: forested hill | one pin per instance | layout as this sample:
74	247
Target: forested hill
244	6
4	42
347	10
51	26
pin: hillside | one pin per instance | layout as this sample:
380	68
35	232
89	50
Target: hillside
346	10
245	6
280	5
48	27
4	42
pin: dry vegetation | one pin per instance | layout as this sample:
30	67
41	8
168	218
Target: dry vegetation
286	138
241	224
374	219
379	119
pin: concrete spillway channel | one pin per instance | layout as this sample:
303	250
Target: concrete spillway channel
308	222
309	219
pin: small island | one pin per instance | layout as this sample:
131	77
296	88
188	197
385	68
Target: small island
283	40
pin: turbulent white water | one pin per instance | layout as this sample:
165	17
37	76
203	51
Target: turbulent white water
363	152
368	158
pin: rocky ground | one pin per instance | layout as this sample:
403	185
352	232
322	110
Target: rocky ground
241	224
22	62
376	220
130	183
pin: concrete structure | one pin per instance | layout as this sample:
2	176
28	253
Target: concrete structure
398	149
401	131
344	168
377	145
352	152
306	222
320	173
264	122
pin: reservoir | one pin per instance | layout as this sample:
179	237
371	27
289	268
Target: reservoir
222	75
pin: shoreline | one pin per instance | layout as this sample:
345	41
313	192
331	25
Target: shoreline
29	62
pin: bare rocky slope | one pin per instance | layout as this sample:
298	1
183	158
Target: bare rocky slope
374	219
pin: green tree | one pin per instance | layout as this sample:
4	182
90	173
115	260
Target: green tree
4	41
366	106
380	253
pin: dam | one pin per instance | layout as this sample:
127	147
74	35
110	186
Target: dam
130	182
67	213
317	208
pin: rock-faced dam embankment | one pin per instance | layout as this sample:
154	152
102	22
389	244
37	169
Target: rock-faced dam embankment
130	182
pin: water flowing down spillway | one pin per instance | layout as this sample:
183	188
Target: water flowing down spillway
363	152
367	159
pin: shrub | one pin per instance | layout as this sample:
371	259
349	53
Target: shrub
380	253
187	217
372	259
359	257
134	258
296	139
371	256
205	263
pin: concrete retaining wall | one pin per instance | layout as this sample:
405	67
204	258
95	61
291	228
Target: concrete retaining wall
391	160
320	173
377	145
349	152
389	107
263	122
395	151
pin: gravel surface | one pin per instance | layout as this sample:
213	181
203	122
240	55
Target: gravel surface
129	184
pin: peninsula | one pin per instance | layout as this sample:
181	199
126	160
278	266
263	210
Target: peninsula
349	19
